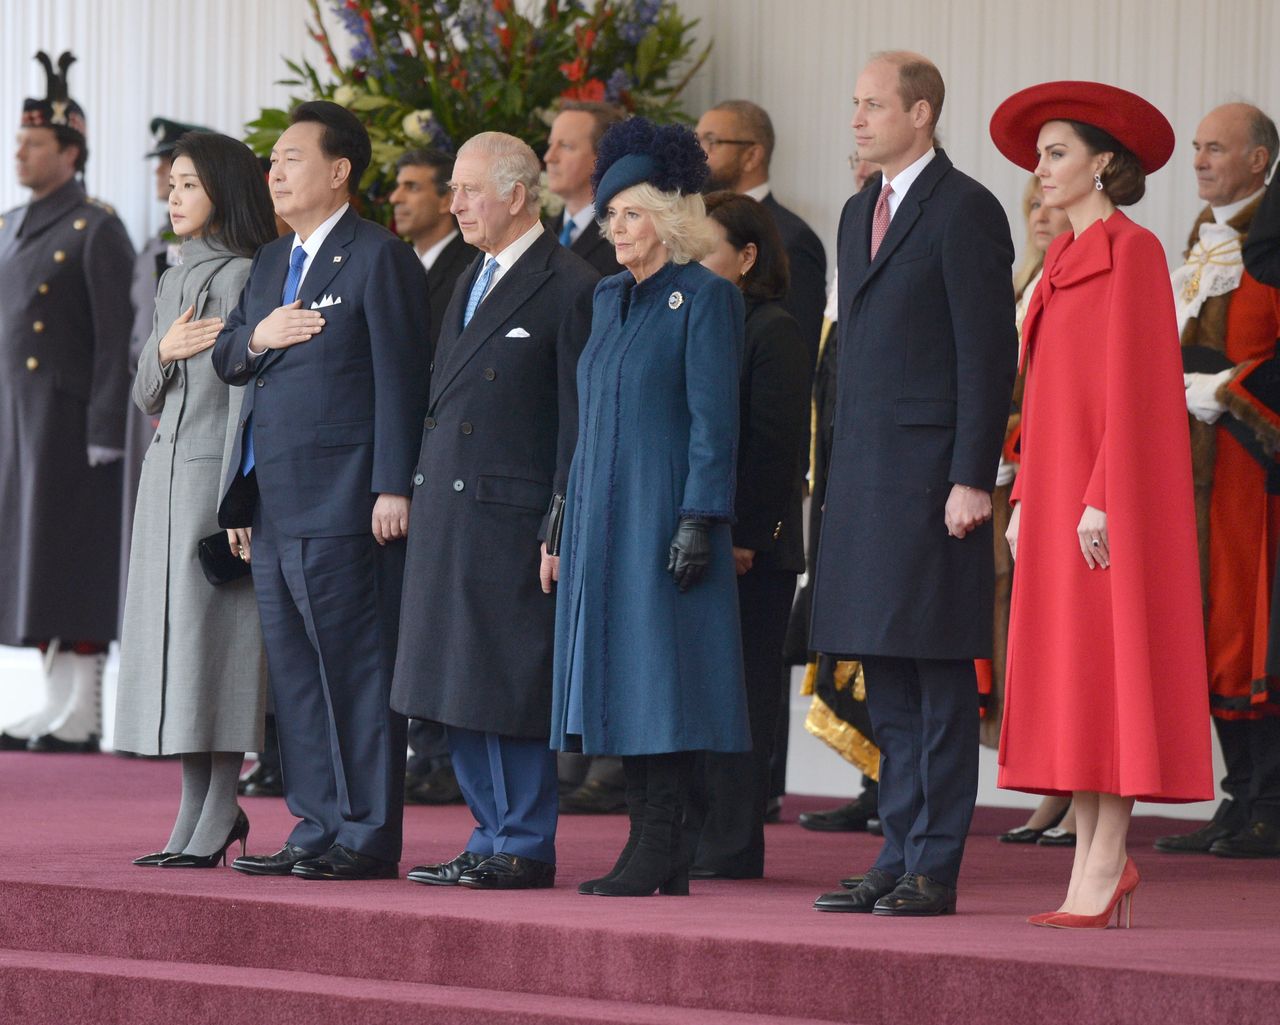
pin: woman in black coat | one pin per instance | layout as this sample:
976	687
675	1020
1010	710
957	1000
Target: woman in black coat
727	816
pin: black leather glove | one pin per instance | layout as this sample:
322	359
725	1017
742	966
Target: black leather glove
690	552
555	524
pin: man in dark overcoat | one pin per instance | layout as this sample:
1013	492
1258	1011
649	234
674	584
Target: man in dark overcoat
328	337
476	626
65	261
905	580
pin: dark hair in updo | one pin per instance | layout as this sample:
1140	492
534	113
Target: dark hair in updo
1123	179
746	221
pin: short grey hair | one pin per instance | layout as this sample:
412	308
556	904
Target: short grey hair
511	161
680	220
1262	132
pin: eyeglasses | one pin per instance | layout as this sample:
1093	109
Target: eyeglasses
709	141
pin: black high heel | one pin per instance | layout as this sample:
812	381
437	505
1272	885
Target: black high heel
635	784
239	831
151	860
659	861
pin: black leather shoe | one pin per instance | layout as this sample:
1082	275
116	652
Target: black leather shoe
343	863
773	811
446	873
8	742
594	797
49	744
279	864
1227	821
1057	837
874	828
262	781
862	898
848	818
1259	840
151	860
917	896
509	872
440	786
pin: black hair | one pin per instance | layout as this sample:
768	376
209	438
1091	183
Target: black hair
70	137
242	220
436	159
1123	179
343	136
746	221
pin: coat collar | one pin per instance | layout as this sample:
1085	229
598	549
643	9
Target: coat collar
457	345
52	208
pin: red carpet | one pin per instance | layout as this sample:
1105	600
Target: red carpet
87	938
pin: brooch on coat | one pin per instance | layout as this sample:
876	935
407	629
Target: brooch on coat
675	301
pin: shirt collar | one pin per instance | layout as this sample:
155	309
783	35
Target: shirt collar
508	257
316	240
583	218
759	192
908	175
433	252
1222	214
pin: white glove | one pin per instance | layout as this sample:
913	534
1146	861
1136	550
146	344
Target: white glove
100	455
1201	392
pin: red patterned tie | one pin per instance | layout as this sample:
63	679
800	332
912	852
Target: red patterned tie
880	219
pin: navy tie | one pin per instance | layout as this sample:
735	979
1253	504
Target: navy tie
296	259
566	233
478	289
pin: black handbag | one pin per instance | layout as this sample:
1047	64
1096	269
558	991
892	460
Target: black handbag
220	565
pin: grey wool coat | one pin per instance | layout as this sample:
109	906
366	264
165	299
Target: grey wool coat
193	671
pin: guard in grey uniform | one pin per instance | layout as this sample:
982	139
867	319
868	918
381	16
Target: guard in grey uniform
65	317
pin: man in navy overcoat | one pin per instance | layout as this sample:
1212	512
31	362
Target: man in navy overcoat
905	575
330	337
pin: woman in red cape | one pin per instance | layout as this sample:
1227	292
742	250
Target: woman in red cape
1106	695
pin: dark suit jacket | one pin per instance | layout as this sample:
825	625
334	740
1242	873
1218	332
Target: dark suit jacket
773	394
808	296
1262	247
450	265
927	358
477	631
591	246
336	419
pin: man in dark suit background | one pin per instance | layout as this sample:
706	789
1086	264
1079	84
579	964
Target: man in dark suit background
421	202
738	138
329	336
927	358
570	157
477	635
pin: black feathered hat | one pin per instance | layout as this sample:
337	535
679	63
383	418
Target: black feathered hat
57	109
668	157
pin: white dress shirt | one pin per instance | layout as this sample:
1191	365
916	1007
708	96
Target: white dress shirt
433	252
906	178
759	192
507	258
581	221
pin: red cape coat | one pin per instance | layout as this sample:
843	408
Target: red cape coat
1106	668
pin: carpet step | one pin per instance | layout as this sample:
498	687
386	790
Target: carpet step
41	988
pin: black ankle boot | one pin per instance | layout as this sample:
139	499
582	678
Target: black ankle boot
658	861
633	769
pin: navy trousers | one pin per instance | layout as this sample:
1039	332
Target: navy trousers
510	786
330	610
925	715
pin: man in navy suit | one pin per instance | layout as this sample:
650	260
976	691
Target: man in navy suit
905	578
329	336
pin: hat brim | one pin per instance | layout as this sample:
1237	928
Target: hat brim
1131	120
629	169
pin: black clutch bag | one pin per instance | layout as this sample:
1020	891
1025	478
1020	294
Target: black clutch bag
216	559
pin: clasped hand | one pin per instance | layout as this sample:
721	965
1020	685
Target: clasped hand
285	326
967	509
186	337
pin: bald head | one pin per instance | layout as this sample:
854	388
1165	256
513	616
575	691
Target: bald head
1234	145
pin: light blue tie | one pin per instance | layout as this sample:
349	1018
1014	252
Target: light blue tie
296	259
478	289
566	233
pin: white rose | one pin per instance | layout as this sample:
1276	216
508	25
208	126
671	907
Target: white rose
344	95
415	125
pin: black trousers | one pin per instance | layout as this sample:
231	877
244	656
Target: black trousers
925	714
726	811
1251	751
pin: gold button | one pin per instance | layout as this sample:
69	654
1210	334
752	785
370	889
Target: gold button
59	256
38	326
79	224
43	288
33	363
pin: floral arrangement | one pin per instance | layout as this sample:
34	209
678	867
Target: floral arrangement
436	72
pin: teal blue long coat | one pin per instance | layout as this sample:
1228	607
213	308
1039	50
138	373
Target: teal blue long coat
639	667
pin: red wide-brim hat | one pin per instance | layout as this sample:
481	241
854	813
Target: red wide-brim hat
1131	120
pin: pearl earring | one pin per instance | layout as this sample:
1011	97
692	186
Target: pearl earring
1097	182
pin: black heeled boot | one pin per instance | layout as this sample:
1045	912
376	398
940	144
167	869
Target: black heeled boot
659	861
634	773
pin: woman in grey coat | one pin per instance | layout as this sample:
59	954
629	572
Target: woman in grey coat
192	672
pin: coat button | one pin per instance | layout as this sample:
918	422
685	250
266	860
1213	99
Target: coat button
261	381
43	288
38	326
242	423
466	427
33	363
490	373
430	423
79	224
59	255
418	479
458	485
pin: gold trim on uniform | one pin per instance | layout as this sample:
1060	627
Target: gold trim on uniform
59	255
842	738
79	224
43	288
33	363
38	326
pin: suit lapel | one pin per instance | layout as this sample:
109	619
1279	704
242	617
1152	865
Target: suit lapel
515	288
331	258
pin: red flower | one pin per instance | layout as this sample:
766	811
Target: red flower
574	70
592	91
418	33
502	6
504	36
586	38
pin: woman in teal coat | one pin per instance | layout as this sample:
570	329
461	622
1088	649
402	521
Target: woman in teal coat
648	661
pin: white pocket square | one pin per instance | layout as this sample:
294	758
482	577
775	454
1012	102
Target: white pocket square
328	300
517	332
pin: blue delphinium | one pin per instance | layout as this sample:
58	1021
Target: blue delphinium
619	82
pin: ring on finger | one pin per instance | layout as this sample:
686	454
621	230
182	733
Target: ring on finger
1096	543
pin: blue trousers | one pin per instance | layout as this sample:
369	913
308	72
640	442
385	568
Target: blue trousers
510	786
